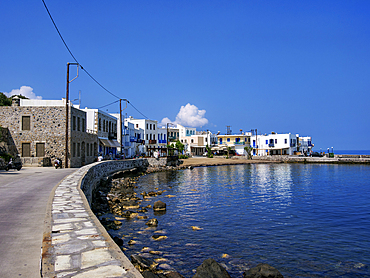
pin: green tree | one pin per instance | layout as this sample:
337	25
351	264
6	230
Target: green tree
4	100
179	146
248	150
209	151
228	152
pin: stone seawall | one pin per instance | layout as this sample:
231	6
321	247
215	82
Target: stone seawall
75	244
338	159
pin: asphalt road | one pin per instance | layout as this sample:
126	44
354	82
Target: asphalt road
23	201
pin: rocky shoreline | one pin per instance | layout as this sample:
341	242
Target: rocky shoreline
116	195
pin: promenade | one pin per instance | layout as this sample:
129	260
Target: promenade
23	202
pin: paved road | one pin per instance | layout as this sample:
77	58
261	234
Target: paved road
23	200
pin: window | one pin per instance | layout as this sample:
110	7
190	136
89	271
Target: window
26	149
150	126
74	123
78	150
99	124
26	122
103	125
154	127
286	141
275	141
220	140
147	126
147	137
192	141
228	139
78	124
87	149
83	125
267	142
91	150
40	149
74	149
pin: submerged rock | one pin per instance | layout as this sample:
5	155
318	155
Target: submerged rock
152	222
143	264
159	206
211	269
262	271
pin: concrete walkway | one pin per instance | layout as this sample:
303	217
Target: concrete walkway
23	204
75	243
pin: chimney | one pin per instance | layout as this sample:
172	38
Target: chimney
16	101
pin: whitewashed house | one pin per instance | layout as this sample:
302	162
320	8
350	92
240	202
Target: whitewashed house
275	144
105	126
150	133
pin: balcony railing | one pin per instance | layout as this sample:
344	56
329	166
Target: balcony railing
127	144
133	139
152	141
162	141
239	143
139	140
292	145
271	145
112	135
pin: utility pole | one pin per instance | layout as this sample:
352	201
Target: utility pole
120	120
67	111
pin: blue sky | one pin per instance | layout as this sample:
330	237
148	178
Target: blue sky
284	66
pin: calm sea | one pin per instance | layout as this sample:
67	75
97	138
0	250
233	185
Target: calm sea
305	220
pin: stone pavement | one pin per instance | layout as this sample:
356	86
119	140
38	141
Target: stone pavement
75	243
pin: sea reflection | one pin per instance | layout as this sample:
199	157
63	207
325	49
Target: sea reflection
271	183
302	219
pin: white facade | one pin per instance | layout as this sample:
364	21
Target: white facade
105	126
186	131
150	133
304	144
274	144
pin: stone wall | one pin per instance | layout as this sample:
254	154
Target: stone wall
99	170
163	161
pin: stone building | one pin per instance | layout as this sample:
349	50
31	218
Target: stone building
38	130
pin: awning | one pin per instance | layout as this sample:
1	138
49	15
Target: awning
110	143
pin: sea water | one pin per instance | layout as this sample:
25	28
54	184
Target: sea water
306	220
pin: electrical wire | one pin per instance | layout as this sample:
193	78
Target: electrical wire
137	110
74	58
108	104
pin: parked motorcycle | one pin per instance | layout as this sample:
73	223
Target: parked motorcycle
57	163
13	165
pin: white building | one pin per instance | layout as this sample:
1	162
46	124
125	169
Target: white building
274	144
304	144
150	133
105	126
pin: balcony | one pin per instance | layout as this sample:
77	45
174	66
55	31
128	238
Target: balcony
112	135
292	145
139	140
162	141
152	141
239	143
127	144
271	145
133	139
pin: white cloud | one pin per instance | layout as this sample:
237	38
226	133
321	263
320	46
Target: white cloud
190	116
26	91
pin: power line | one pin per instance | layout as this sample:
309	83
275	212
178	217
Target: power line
74	58
137	110
108	104
70	52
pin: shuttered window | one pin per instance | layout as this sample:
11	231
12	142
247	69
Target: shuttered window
26	149
40	149
26	123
